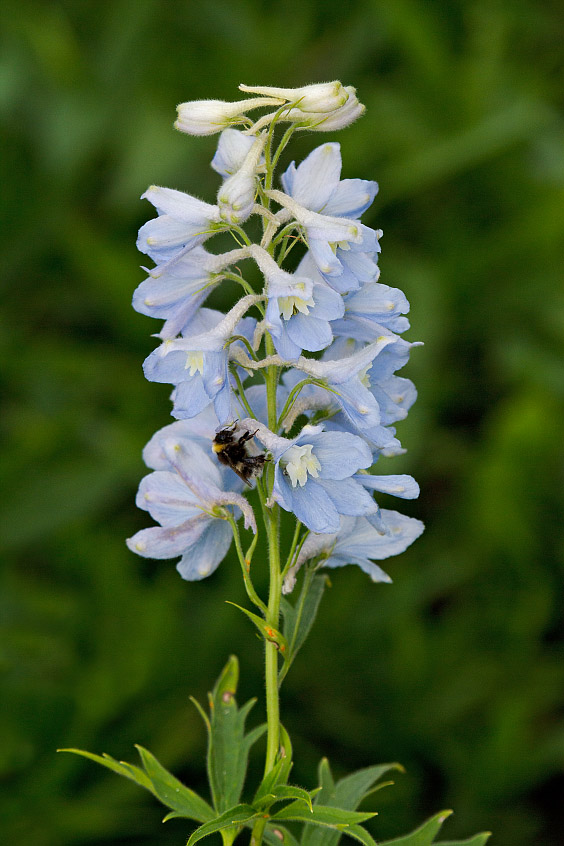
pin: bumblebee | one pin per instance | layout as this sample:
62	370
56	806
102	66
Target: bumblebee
232	451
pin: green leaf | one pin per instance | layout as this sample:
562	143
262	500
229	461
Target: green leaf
268	632
285	755
228	746
158	781
183	801
282	792
347	794
233	817
477	840
299	618
120	767
322	815
423	836
269	782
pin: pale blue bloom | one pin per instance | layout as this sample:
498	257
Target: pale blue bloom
175	291
402	486
184	222
199	430
346	378
316	184
371	307
314	475
358	542
298	309
394	395
183	498
197	364
323	232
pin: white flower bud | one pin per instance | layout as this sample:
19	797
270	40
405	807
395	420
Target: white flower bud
236	197
339	119
320	97
206	117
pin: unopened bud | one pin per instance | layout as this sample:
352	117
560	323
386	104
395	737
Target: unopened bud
338	119
206	117
320	97
236	197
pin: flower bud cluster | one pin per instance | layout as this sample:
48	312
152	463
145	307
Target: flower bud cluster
248	395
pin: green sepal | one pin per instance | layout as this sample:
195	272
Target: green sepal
425	835
338	818
234	817
228	745
267	631
299	618
347	794
158	781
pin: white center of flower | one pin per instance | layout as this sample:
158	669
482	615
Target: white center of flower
299	461
194	362
292	305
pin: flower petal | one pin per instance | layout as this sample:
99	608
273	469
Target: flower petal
206	553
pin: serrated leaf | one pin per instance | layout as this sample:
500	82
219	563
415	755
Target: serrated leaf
423	836
267	631
321	815
299	618
347	794
183	801
228	746
233	817
120	767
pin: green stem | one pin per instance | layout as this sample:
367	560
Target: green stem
271	652
249	587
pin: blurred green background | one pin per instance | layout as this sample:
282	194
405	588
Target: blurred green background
457	669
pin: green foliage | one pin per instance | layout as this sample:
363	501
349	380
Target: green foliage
163	785
300	616
228	745
456	670
425	835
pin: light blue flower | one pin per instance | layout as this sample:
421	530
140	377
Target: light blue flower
197	364
394	395
358	542
183	223
298	309
316	184
185	498
346	377
175	291
326	235
314	472
369	309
